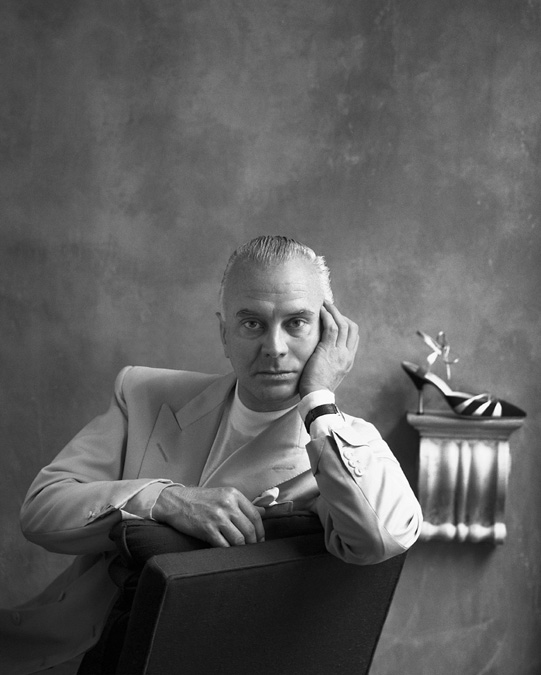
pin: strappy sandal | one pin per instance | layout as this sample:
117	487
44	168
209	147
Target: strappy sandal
462	404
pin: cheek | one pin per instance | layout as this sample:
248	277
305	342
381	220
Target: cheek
315	335
305	351
241	353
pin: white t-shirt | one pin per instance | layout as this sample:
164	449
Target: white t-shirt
239	425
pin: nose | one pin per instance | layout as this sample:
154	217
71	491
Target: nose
274	343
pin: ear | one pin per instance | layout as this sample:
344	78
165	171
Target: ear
223	333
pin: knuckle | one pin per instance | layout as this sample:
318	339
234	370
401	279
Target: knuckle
226	497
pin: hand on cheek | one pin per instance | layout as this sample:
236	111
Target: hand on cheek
334	354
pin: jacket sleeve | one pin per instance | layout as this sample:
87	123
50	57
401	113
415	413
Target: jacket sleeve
366	504
75	500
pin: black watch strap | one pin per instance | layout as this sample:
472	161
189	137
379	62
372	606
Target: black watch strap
326	409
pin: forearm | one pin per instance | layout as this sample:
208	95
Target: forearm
73	502
368	517
366	504
73	517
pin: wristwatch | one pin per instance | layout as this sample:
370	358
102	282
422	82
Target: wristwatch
326	409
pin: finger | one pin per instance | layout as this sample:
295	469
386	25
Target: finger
239	521
246	529
329	333
259	527
236	533
208	530
253	513
353	337
343	324
349	328
214	538
228	531
354	343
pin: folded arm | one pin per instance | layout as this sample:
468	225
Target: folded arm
75	500
366	504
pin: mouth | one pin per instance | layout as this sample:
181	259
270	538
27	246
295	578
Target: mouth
276	374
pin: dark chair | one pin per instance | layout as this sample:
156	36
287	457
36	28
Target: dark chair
282	607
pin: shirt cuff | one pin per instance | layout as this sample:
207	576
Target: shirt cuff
313	399
140	506
323	424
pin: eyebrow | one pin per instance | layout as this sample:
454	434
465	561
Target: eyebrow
251	312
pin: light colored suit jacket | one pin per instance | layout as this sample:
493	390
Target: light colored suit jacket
161	424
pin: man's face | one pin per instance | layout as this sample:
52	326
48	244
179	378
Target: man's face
270	329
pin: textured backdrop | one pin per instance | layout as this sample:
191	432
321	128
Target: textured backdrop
141	141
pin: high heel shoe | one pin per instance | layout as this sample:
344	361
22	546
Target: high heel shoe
464	405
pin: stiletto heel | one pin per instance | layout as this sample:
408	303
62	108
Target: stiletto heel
462	404
420	405
419	383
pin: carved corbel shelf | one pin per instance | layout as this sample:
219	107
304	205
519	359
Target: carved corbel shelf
463	474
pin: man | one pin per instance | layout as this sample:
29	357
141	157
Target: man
213	456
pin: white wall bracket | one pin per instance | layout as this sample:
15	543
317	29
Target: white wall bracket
464	467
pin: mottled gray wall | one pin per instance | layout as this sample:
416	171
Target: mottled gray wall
141	141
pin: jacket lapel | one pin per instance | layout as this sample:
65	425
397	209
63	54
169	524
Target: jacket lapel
180	442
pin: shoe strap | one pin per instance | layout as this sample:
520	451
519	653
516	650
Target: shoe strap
439	347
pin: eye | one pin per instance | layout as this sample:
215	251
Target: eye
298	324
251	325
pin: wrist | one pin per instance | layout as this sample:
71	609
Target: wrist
319	411
306	390
163	506
313	400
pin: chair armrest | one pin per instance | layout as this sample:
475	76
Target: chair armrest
138	540
172	566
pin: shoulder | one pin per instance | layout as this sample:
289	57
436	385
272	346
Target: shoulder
142	376
172	386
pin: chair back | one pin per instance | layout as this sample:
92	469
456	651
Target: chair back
282	607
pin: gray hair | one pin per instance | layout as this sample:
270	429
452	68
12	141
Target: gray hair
275	249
